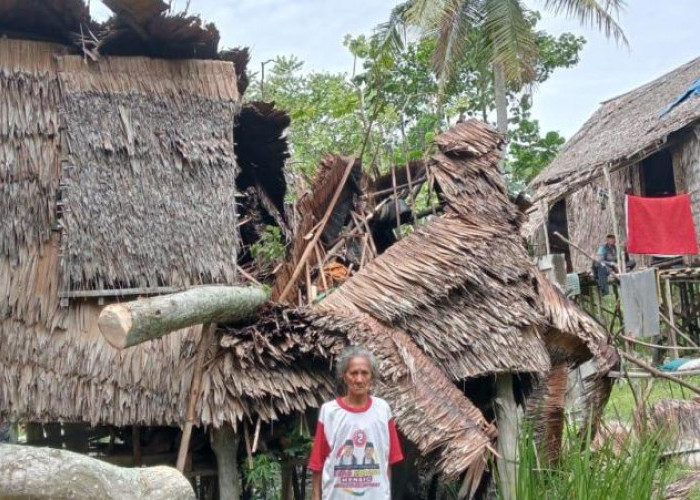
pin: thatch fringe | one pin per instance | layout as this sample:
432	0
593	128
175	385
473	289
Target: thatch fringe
545	412
146	27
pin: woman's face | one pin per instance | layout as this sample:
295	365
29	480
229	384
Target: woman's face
358	376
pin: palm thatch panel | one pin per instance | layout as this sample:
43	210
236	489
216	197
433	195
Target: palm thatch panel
150	174
29	139
312	207
446	285
466	169
623	130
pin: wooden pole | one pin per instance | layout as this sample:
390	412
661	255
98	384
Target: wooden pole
208	334
311	244
545	226
225	442
136	445
616	227
396	201
677	330
507	421
672	332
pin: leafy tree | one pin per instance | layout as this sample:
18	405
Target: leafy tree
399	95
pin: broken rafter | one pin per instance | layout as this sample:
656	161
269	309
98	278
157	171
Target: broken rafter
317	235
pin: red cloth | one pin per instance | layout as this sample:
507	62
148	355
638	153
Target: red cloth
661	226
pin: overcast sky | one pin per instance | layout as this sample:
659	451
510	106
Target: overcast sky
662	35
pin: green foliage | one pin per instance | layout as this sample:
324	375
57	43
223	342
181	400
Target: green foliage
635	471
392	104
264	476
270	247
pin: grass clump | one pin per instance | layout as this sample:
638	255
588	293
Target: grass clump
635	470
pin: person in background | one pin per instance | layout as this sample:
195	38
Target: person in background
607	255
354	421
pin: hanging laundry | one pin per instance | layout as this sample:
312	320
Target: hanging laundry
640	303
660	226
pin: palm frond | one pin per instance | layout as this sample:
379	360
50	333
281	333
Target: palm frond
452	26
511	39
599	14
423	13
388	34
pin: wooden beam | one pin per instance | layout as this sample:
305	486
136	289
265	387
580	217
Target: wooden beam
208	335
131	323
672	323
616	227
658	373
317	235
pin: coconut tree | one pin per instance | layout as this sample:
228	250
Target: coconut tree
509	40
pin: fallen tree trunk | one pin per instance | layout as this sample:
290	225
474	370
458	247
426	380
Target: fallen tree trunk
125	325
43	473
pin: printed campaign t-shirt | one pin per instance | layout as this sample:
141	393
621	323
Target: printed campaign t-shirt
353	448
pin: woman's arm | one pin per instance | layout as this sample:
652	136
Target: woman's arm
316	486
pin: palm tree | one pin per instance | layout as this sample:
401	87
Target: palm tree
511	48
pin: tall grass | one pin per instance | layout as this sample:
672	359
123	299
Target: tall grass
633	471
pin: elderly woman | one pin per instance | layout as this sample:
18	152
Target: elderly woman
346	427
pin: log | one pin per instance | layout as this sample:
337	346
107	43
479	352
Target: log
131	323
44	473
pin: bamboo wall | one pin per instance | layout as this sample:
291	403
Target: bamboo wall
686	160
589	221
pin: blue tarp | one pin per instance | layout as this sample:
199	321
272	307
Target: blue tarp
694	89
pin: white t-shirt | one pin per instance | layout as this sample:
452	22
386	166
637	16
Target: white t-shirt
353	448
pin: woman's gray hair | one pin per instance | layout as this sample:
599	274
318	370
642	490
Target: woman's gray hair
350	352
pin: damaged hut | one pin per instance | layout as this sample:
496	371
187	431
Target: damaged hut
455	311
648	142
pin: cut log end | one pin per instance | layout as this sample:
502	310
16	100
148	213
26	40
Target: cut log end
115	323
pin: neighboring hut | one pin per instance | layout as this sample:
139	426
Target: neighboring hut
647	154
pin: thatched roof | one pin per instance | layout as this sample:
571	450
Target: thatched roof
137	27
624	129
453	287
